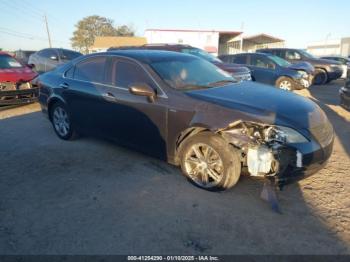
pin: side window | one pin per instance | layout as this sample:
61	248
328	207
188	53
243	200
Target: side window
91	70
126	73
240	59
292	55
262	62
47	53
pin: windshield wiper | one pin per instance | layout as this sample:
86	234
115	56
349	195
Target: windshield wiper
218	83
193	86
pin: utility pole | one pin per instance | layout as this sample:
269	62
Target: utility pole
48	31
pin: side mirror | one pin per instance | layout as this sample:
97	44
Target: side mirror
143	90
54	58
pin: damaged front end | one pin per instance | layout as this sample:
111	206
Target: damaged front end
21	92
265	148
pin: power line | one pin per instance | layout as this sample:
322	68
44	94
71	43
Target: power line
26	36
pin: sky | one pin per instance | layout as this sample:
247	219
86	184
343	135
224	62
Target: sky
298	22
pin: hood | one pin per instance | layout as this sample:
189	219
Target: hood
17	74
305	66
319	61
264	103
232	68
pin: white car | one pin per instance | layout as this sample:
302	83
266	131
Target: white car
343	60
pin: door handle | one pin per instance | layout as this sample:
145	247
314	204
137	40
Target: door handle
64	85
108	96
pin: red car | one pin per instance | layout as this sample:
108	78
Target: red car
15	81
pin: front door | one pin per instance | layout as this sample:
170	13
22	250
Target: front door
131	119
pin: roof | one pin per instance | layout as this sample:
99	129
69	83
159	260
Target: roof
194	31
146	56
263	39
109	41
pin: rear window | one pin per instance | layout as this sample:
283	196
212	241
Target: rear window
69	55
90	70
8	62
201	53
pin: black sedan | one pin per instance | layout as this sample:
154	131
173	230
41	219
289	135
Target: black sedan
190	113
273	70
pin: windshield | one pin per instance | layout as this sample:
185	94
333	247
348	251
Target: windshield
306	54
201	53
8	62
279	61
186	72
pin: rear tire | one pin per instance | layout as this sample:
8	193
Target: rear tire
321	77
285	83
209	162
61	122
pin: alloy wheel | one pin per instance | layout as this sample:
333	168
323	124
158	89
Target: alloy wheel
204	165
285	85
61	121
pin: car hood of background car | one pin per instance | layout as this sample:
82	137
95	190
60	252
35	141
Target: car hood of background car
233	68
305	66
320	61
264	103
17	74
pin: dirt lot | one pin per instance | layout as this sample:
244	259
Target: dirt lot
92	197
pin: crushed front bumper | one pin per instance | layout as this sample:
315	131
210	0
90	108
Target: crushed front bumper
314	157
242	76
18	97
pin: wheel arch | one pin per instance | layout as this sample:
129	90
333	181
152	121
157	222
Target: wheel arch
184	135
51	102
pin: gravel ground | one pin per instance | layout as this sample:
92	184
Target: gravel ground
93	197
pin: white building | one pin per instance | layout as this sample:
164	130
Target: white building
339	46
215	42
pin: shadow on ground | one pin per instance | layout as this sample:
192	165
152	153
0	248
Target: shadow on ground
327	97
92	197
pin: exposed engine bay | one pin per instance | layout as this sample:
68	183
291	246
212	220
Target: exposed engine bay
264	147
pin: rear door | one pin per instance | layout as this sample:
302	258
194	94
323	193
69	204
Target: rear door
130	119
263	69
82	88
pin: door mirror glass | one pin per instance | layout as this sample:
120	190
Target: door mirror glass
143	90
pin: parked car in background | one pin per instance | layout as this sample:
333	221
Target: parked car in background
49	58
23	56
187	111
273	70
343	60
325	70
345	93
15	81
239	72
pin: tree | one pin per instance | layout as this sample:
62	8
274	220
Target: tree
93	26
125	30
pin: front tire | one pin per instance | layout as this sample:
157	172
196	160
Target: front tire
321	77
61	122
285	83
209	162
